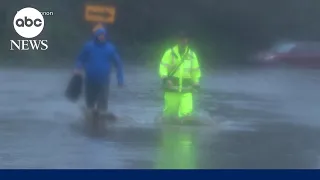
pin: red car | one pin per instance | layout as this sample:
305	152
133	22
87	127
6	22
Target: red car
298	53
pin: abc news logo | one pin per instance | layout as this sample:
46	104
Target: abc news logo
28	23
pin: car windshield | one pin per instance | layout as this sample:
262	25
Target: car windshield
283	48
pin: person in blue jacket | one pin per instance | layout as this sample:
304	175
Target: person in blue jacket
95	61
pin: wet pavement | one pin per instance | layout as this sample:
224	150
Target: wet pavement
250	118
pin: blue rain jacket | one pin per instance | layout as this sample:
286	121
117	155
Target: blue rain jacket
97	58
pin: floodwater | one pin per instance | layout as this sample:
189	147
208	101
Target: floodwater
250	118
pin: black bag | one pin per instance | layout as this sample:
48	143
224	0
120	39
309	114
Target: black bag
74	88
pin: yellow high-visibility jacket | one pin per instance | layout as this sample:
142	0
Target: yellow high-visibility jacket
188	70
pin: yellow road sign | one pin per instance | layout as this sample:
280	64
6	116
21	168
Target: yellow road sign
100	13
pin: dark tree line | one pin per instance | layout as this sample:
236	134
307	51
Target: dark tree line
227	30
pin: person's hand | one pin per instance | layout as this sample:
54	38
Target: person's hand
196	86
169	83
120	83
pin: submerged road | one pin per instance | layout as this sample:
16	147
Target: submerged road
251	118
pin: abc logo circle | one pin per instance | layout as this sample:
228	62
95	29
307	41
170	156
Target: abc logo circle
28	22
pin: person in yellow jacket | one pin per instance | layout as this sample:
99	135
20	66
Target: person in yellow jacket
179	69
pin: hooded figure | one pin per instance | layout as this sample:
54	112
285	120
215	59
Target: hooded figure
96	59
